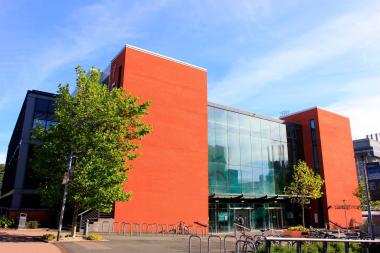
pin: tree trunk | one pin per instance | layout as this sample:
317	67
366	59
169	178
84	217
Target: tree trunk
303	215
74	221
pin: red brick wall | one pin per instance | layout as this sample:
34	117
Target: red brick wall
336	162
169	182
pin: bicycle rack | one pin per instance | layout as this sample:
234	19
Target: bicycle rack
162	229
237	248
152	227
220	242
108	228
134	228
224	241
201	229
124	228
115	228
144	225
172	227
200	242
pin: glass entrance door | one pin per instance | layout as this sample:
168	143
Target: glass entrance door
275	217
246	214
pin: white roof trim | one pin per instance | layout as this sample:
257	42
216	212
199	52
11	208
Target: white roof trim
161	56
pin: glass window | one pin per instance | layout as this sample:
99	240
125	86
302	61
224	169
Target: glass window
265	129
247	180
234	179
233	148
220	150
220	116
255	127
218	178
245	150
275	131
233	120
257	160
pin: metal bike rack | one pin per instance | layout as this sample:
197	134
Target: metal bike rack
162	229
200	242
237	248
124	228
115	228
208	242
134	228
108	228
224	241
144	225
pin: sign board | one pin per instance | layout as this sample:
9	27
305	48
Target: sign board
65	179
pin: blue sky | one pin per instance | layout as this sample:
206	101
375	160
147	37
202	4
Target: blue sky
261	56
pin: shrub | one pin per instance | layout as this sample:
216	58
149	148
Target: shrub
5	222
94	237
32	224
298	228
48	237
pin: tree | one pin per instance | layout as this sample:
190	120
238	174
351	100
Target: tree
304	186
360	194
101	128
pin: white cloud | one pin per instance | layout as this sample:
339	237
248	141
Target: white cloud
336	37
361	106
3	157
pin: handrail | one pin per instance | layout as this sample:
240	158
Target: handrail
242	228
84	212
220	242
200	242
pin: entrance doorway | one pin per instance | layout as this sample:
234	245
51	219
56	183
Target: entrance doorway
275	217
246	214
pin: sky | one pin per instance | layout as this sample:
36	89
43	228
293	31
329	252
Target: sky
261	56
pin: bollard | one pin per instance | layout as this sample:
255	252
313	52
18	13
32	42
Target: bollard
85	231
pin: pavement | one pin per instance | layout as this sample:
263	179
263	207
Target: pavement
29	240
26	240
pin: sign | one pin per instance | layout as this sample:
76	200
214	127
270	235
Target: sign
65	179
346	207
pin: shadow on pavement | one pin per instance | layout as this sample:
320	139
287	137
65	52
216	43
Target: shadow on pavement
5	237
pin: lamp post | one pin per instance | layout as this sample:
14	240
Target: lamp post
370	223
65	181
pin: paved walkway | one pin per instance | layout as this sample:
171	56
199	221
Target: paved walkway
26	240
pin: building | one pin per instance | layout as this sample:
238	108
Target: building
18	192
327	147
367	152
206	163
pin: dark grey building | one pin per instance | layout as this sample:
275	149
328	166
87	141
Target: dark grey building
367	152
18	192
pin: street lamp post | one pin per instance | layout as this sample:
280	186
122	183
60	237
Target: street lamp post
370	223
66	183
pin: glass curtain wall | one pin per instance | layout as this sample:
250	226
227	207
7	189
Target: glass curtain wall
247	155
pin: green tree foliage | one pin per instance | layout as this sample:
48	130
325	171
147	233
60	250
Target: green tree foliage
102	130
304	186
360	194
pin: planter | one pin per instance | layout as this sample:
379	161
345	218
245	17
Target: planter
292	234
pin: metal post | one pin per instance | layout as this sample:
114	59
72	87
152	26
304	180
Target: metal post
85	232
299	247
267	246
324	247
64	198
370	223
346	247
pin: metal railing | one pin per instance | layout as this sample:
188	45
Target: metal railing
200	242
300	241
